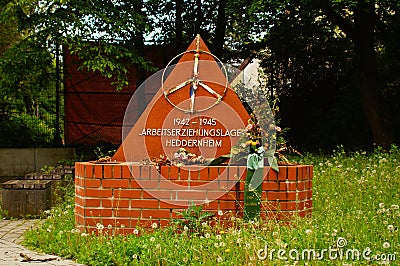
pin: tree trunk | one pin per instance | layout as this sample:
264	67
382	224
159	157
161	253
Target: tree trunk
220	29
367	74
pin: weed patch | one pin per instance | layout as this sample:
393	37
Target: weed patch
355	221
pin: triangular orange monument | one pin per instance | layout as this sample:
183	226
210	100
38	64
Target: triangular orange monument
194	108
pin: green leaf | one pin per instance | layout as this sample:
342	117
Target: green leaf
273	163
221	159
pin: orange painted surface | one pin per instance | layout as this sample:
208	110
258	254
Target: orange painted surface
230	113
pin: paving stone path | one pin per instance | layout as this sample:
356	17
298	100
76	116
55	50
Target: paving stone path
11	253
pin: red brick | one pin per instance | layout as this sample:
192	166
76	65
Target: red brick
156	214
124	171
282	175
79	181
290	195
270	205
272	175
224	174
157	194
292	173
99	212
89	170
239	186
134	184
289	206
115	222
184	174
308	204
107	171
134	171
92	202
164	223
115	183
305	213
79	220
302	195
148	184
115	203
202	174
80	210
168	205
211	206
311	171
213	172
272	195
145	203
227	205
94	183
226	185
79	200
164	172
307	172
309	194
233	172
183	184
128	213
242	171
168	184
309	184
80	191
270	185
221	195
173	172
78	169
301	185
117	171
145	171
128	193
191	195
98	171
100	193
263	195
288	186
240	195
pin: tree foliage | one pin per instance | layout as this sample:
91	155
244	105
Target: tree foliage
339	58
327	51
115	27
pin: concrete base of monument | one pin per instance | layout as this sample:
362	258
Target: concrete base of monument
113	194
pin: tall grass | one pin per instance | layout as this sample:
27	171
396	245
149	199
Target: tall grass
356	208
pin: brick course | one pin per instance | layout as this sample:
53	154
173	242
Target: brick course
132	194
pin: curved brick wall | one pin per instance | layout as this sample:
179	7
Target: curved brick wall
110	194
